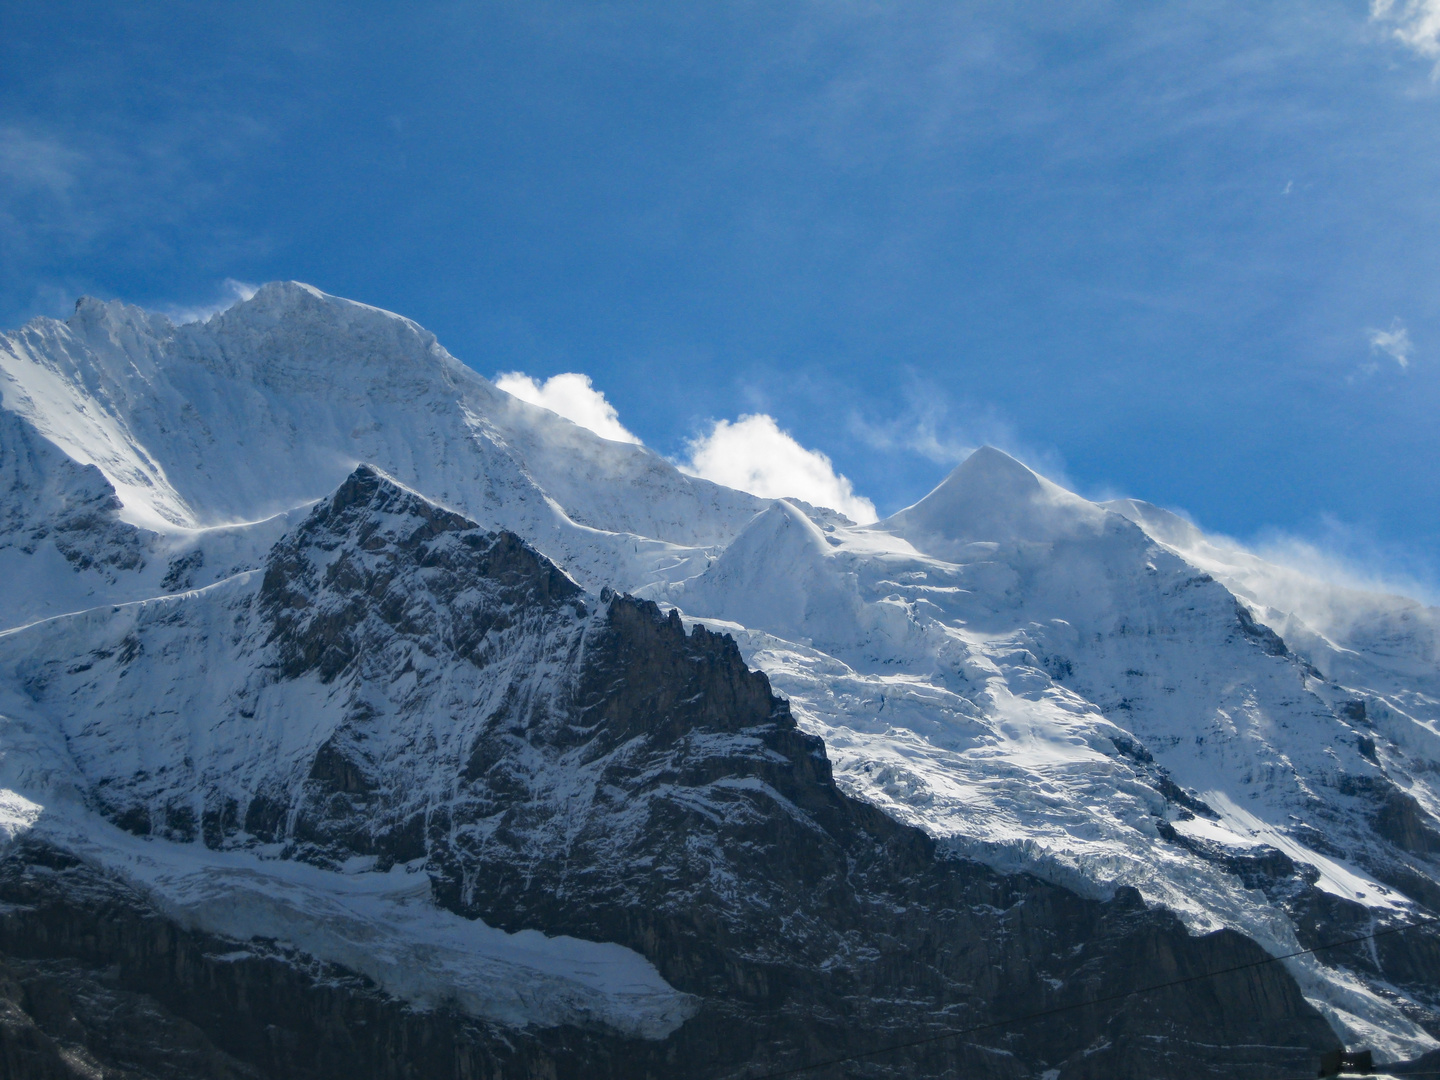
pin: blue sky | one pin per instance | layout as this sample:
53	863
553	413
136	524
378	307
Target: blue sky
1180	251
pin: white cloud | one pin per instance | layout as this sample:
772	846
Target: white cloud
573	396
754	455
1416	23
234	292
1394	343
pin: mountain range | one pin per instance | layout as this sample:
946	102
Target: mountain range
359	718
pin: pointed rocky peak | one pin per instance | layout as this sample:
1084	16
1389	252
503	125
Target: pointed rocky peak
992	497
371	500
376	514
377	560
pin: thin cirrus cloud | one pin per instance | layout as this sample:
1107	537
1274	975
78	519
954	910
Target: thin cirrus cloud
33	161
752	453
945	432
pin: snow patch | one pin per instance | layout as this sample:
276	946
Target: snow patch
386	926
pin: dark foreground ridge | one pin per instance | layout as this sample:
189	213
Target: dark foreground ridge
696	825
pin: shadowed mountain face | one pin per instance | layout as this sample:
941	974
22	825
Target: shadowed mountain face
579	767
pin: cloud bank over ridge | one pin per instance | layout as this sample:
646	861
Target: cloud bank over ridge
755	455
571	395
751	454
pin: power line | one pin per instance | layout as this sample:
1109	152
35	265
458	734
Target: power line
1043	1013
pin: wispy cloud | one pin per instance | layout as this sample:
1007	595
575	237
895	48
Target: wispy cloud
1394	343
755	455
232	292
45	203
1414	23
923	429
1347	555
37	162
573	396
933	427
80	191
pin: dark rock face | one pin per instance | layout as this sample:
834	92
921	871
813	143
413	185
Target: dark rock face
717	844
1341	929
96	984
475	582
1412	864
377	584
603	773
1269	641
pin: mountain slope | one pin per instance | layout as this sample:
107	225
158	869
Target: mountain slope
404	706
1040	684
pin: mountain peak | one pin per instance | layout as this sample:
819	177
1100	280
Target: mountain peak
287	296
990	496
378	558
287	302
291	294
98	321
370	494
990	472
366	483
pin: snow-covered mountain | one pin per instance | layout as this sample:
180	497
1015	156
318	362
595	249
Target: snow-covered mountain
210	426
311	635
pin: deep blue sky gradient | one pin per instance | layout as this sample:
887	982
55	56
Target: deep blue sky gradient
1142	244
